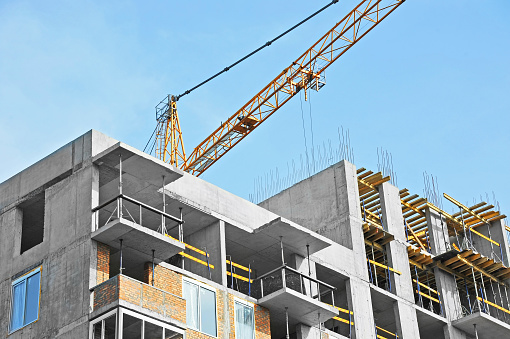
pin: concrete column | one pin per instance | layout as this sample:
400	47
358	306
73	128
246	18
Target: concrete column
407	321
452	308
349	215
396	250
211	238
301	264
498	234
359	300
438	232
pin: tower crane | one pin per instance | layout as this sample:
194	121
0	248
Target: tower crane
306	72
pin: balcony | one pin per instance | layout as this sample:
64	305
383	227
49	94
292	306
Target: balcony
304	297
123	224
125	291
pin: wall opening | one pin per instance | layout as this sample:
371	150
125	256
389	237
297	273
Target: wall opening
32	226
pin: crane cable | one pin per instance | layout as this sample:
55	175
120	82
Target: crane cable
255	51
239	61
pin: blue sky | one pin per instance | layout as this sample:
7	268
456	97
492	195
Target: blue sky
430	84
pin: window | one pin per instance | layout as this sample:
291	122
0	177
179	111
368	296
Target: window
245	322
200	307
25	299
32	223
104	327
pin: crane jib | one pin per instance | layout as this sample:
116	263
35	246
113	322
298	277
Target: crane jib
307	71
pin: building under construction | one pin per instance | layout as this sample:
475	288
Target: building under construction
100	240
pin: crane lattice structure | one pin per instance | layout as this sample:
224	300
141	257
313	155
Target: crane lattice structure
307	72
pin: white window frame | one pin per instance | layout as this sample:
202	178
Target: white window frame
100	319
14	283
207	287
145	319
245	303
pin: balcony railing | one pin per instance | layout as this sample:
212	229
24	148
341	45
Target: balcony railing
142	214
285	276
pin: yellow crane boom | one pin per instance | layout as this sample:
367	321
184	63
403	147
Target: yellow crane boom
306	72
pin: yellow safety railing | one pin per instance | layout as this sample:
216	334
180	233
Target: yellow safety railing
493	305
384	266
197	250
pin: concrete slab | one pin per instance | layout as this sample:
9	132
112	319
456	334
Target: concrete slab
137	237
294	236
138	164
309	311
487	327
430	324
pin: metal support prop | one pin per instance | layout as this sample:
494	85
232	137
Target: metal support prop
420	299
153	268
119	201
232	274
484	297
468	298
309	267
181	231
476	289
281	247
364	212
287	322
375	268
249	279
120	268
476	332
207	259
407	231
163	221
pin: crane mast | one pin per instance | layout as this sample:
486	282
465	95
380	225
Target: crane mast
306	72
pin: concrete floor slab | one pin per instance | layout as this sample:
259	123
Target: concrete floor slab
138	164
487	327
294	236
306	309
137	237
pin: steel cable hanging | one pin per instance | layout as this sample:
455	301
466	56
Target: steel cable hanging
255	51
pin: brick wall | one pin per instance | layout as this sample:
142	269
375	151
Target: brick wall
103	262
262	323
106	293
171	281
164	279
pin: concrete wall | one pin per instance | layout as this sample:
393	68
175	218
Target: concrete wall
65	254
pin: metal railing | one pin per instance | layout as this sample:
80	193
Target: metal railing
285	276
123	205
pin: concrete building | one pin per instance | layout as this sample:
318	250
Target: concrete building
100	240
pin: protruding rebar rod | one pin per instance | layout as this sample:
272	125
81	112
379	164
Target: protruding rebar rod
309	267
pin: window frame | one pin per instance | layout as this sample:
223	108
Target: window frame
24	277
211	289
101	319
247	304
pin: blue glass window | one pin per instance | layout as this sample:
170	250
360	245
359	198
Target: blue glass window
25	299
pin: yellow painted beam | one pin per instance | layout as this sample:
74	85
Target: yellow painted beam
344	320
428	296
196	259
494	305
386	331
490	276
464	208
384	266
483	236
239	266
425	286
240	277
